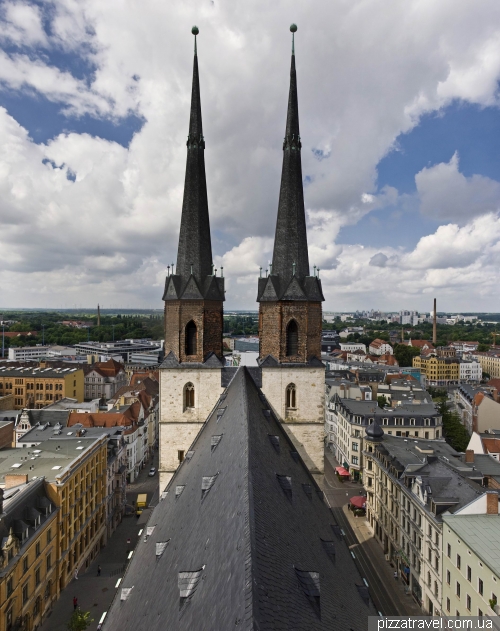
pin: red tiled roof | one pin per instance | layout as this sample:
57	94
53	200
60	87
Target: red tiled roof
99	419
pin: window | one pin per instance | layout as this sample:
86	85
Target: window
469	574
37	549
49	535
188	395
180	455
291	397
10	586
448	576
447	604
49	561
191	338
458	589
25	594
25	565
355	446
37	576
292	339
449	551
468	602
355	460
459	562
480	586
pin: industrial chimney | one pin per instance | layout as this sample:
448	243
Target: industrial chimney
434	327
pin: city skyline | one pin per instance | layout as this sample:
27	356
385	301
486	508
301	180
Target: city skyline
398	130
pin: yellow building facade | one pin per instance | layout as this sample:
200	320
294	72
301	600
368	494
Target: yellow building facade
40	559
438	371
38	387
28	565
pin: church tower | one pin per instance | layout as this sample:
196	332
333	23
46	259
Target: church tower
290	314
191	371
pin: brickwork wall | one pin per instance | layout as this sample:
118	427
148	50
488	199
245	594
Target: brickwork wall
305	424
178	426
208	317
274	318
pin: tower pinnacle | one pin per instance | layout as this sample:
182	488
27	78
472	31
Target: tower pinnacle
290	243
194	255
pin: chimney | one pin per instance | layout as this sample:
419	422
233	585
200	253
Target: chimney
469	455
15	479
434	325
491	503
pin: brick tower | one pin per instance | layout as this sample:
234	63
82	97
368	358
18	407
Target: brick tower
191	372
290	314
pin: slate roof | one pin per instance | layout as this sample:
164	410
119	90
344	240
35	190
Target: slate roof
193	278
290	279
255	550
481	533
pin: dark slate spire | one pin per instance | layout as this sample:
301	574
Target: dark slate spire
194	277
289	277
195	249
290	242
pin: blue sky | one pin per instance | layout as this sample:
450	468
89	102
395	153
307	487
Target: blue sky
399	110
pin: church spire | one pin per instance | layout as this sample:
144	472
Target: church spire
194	255
290	256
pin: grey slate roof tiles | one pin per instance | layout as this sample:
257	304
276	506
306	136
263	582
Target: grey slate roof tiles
265	565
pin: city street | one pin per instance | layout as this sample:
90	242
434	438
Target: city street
95	593
387	593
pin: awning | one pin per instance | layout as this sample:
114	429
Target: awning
358	501
342	471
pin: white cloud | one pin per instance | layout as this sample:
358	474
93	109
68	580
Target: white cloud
446	194
366	72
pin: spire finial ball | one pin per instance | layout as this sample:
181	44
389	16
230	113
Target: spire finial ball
195	30
293	28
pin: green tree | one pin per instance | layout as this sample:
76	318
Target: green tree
382	401
405	354
454	432
80	620
483	348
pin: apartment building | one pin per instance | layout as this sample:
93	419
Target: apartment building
438	371
28	565
409	485
471	566
74	468
490	362
470	371
40	386
380	347
350	418
103	379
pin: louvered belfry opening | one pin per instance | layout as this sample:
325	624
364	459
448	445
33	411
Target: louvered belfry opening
292	339
191	338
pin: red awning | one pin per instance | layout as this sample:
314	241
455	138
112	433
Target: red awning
358	501
342	471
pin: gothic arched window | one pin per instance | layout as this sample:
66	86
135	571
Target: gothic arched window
191	338
188	396
292	339
291	397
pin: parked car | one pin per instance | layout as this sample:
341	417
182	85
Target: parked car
152	471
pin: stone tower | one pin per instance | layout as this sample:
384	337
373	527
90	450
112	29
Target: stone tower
191	372
290	314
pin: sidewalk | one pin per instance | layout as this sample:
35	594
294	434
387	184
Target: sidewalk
95	593
382	567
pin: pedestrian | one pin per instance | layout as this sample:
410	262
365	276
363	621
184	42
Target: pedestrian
129	543
98	570
395	575
76	574
75	603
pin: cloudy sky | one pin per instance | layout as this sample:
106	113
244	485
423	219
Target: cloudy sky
400	124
